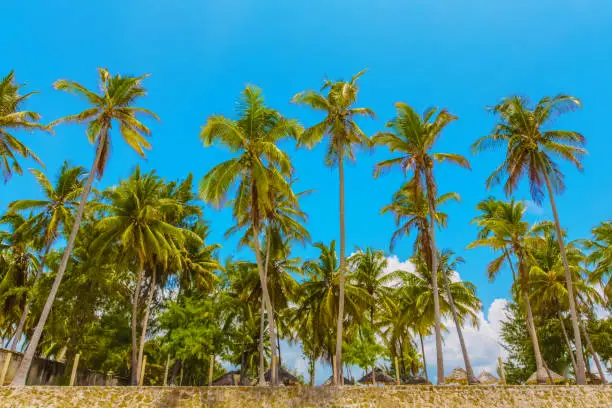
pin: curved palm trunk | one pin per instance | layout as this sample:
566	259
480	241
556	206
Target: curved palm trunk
262	326
26	308
24	367
423	355
466	357
340	322
580	375
434	277
592	351
145	322
266	296
134	366
540	370
567	341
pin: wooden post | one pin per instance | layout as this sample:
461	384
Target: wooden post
75	365
397	376
210	369
334	368
166	373
501	370
5	367
142	371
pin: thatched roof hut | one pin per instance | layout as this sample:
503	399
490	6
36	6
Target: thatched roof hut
229	378
457	376
381	377
487	378
284	376
556	378
330	381
593	378
417	380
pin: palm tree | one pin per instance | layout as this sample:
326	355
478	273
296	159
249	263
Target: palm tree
113	105
503	229
12	118
259	168
414	137
344	134
601	256
53	213
530	150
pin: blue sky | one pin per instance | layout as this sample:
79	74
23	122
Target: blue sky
200	54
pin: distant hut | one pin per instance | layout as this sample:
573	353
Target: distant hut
381	378
556	378
593	378
486	378
284	376
330	381
457	376
230	378
417	380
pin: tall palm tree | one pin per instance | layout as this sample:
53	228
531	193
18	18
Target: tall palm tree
414	137
115	104
601	256
259	167
12	118
503	229
53	213
344	134
530	148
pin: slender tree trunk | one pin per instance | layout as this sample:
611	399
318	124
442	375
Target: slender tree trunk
424	360
434	276
580	376
145	320
134	366
567	341
280	362
466	357
540	370
26	308
24	367
312	370
262	359
592	351
340	322
266	297
511	266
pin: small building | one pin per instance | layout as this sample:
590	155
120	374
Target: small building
380	376
284	376
549	374
486	378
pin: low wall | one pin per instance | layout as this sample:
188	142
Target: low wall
255	397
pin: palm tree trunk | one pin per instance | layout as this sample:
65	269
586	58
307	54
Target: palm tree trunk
580	376
540	370
280	362
266	297
340	322
466	357
24	367
134	366
145	320
262	326
424	360
434	276
567	341
26	308
312	370
592	351
511	266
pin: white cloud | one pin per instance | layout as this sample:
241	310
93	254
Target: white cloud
533	208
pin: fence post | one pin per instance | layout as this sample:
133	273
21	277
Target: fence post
397	377
166	373
75	365
5	367
501	370
210	369
142	371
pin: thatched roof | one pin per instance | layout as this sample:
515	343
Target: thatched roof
486	377
457	376
548	374
417	380
593	378
330	381
284	376
381	377
226	379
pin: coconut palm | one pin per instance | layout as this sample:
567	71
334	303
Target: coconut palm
11	119
53	213
113	105
601	256
344	134
414	137
259	167
503	229
530	150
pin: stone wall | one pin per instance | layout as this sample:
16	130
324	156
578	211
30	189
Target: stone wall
51	372
362	397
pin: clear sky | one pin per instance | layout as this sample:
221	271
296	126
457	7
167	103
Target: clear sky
462	55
